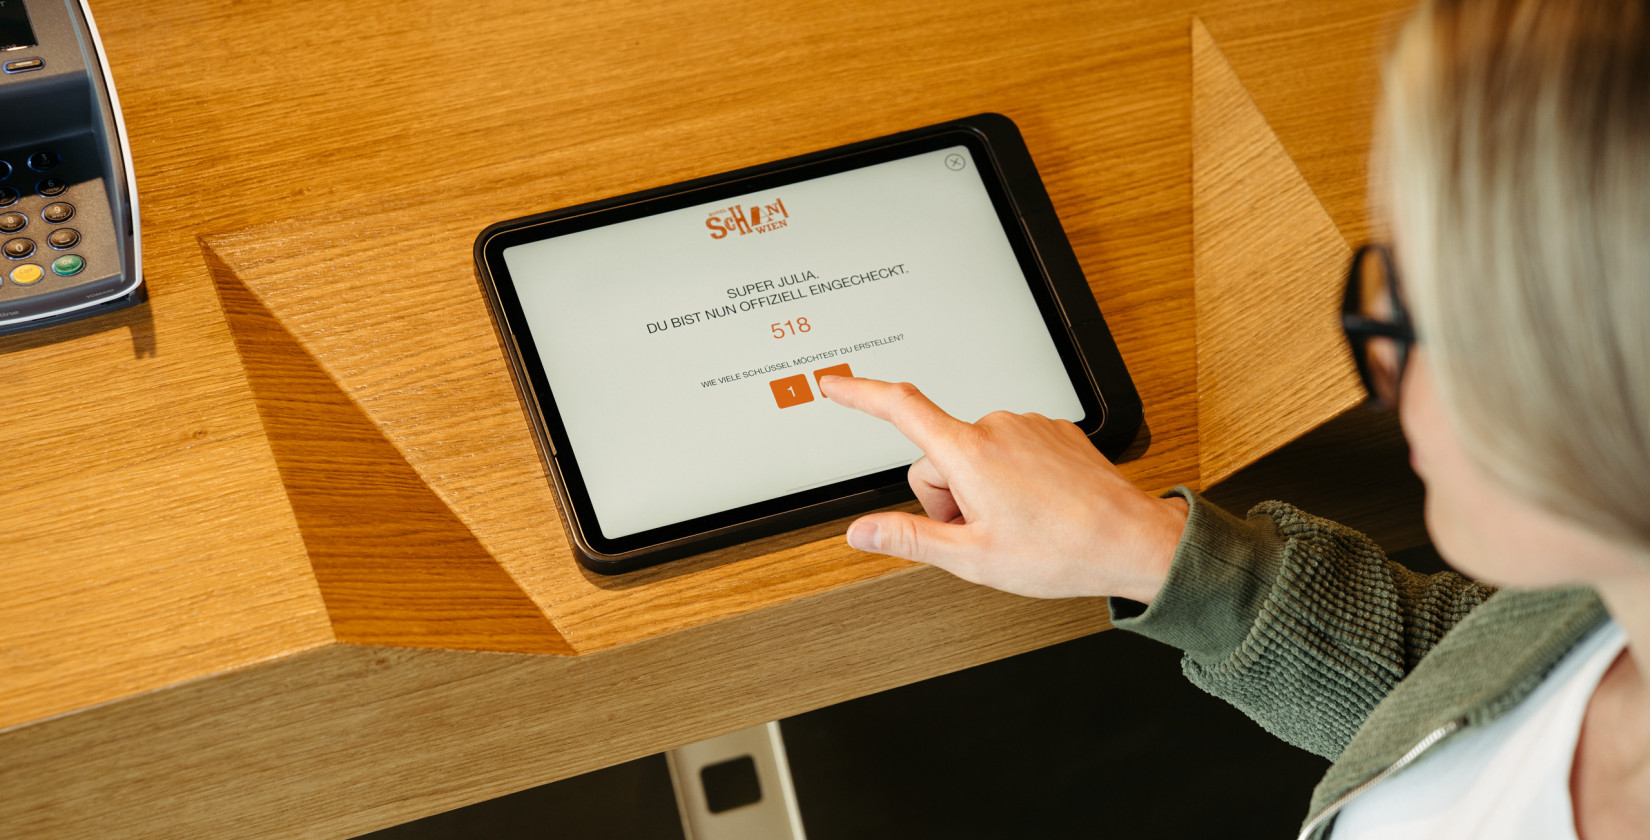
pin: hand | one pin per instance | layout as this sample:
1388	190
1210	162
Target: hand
1018	502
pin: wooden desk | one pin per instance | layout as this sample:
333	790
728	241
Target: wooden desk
279	558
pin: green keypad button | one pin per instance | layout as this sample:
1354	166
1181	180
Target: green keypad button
68	265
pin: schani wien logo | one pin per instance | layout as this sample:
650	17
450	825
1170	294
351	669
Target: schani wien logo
757	218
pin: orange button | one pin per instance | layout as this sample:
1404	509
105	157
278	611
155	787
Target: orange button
792	390
833	370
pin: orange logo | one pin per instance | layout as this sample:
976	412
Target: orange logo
758	218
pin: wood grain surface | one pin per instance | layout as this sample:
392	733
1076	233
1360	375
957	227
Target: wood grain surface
1272	363
394	565
345	739
421	360
256	528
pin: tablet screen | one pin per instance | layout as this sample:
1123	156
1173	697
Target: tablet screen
682	349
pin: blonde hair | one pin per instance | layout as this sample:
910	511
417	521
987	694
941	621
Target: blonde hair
1516	159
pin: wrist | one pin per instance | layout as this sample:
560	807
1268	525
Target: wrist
1162	529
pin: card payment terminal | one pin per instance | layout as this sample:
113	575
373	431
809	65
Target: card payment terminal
69	239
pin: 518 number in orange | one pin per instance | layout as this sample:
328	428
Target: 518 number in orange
799	325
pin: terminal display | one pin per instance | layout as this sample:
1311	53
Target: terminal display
670	344
684	348
15	31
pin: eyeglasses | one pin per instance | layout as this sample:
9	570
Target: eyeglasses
1377	324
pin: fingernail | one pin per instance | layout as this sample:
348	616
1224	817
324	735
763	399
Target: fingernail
863	536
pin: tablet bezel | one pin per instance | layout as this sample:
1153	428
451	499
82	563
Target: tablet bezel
775	515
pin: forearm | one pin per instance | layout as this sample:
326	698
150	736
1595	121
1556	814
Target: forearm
1301	623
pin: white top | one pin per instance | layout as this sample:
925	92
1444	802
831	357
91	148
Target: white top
1509	780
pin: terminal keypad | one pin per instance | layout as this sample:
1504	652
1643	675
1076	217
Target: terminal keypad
36	200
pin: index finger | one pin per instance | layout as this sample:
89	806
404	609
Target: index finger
912	413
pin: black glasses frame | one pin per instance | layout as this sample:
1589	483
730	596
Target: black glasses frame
1360	328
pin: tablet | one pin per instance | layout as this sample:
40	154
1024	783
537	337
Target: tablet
667	345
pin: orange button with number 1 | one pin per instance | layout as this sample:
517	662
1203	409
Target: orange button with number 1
792	390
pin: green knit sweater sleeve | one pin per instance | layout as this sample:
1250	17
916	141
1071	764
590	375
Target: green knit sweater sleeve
1301	623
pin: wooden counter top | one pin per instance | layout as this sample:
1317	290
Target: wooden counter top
280	557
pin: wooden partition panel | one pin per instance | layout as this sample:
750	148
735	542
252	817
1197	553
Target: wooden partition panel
393	563
1272	363
386	308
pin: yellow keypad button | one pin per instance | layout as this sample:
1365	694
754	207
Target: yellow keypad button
27	275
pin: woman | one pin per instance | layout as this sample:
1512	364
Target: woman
1510	322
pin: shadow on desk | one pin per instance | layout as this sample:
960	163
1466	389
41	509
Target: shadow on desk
139	320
